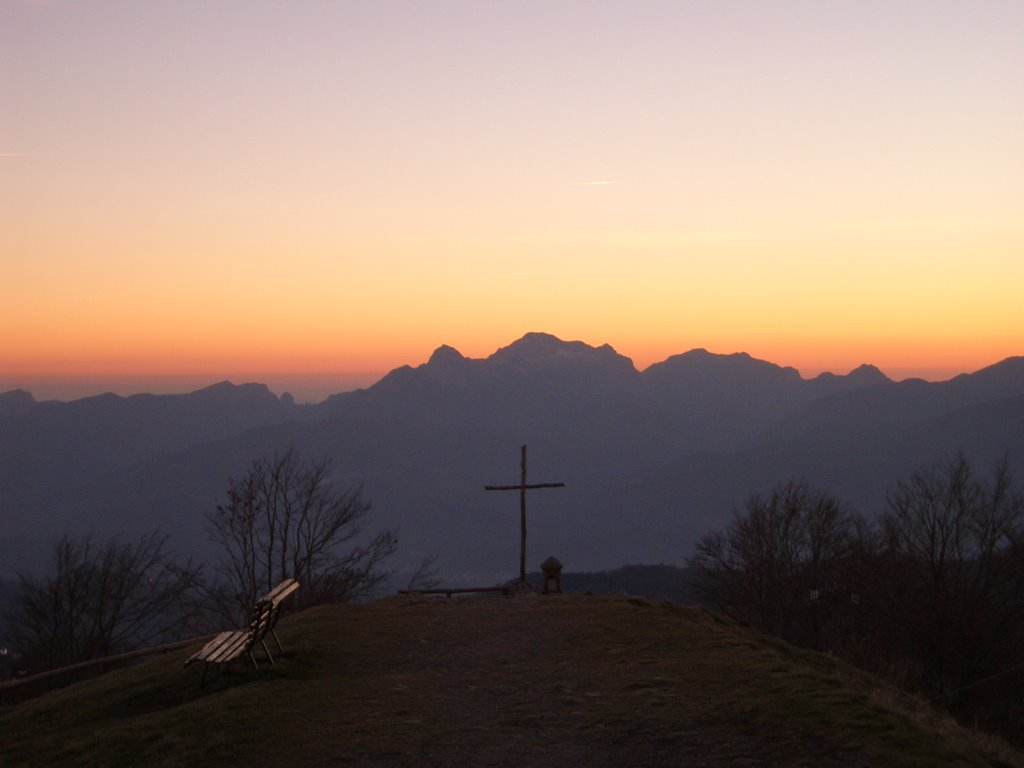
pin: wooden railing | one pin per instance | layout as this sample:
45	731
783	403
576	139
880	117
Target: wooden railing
22	688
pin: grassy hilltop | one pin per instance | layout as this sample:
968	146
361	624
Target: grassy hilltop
528	681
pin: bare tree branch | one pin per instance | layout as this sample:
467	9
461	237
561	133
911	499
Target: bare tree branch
285	519
103	599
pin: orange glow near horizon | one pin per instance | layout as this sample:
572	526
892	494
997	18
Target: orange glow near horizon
937	362
297	193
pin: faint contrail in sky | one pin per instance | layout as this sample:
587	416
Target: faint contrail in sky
12	154
590	183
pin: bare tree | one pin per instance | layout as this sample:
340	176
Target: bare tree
285	519
101	599
764	566
424	576
955	587
939	580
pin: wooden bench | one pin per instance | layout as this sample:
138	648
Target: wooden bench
233	643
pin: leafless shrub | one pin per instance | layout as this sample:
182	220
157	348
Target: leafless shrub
285	519
101	599
764	567
954	593
424	576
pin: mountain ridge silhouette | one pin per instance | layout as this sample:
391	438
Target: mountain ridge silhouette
651	458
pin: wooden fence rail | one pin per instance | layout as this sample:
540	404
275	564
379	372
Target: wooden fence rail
22	688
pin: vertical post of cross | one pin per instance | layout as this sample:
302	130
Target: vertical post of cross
522	487
522	514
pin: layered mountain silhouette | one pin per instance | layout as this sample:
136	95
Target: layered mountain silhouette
651	459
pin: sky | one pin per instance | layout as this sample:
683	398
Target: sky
310	194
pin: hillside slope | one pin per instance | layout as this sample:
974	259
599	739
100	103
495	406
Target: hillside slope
526	681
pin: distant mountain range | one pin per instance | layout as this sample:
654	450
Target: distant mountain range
650	459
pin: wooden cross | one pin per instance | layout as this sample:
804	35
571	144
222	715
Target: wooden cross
522	488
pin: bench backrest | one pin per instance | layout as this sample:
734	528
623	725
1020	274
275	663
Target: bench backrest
267	611
280	592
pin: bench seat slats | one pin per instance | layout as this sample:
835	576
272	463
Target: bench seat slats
211	647
223	648
232	647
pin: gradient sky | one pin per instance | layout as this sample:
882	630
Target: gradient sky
193	191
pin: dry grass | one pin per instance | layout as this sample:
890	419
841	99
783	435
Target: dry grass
529	681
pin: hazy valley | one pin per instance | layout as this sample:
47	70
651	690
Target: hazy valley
650	459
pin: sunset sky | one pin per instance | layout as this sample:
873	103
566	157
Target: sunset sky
312	193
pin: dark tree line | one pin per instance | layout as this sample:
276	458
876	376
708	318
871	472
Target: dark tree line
284	518
930	593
